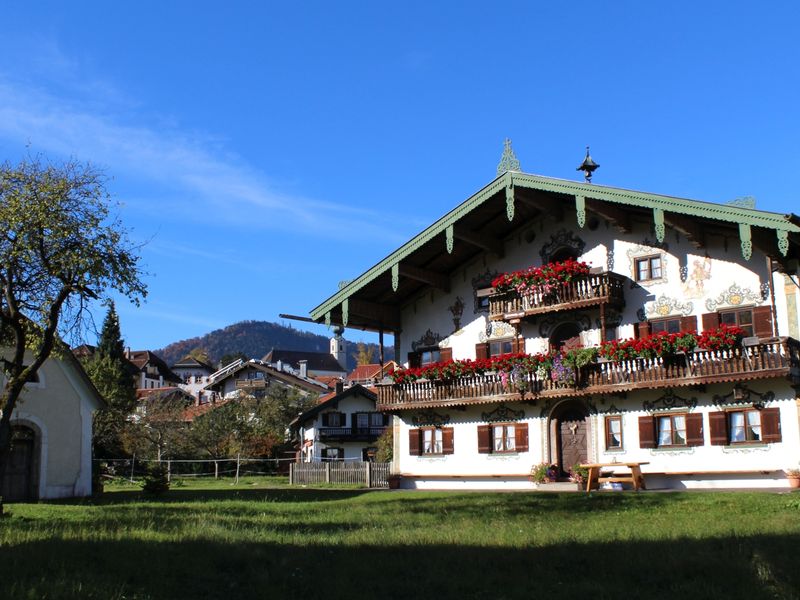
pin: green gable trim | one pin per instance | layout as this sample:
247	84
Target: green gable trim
508	181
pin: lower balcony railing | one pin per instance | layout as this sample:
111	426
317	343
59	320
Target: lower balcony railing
582	291
779	357
360	433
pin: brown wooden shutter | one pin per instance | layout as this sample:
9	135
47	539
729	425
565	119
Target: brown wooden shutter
689	323
694	429
710	321
414	360
325	419
386	417
521	437
484	439
414	447
762	321
343	420
447	440
481	351
642	329
770	425
718	427
446	354
518	344
647	432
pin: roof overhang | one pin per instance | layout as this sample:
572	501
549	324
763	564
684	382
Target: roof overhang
507	206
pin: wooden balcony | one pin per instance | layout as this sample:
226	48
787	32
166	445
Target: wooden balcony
778	357
594	289
353	434
251	384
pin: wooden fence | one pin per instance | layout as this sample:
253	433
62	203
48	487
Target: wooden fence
369	474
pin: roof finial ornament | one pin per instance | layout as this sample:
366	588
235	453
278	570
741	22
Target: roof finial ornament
508	162
588	166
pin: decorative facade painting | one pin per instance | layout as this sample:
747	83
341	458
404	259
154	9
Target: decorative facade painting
734	296
696	275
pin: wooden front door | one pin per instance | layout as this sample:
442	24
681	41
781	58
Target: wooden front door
18	480
572	440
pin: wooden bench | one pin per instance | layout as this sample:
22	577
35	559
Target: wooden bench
595	477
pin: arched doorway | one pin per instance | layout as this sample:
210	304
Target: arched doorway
566	334
19	483
569	435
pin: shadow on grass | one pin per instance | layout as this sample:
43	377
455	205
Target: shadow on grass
730	567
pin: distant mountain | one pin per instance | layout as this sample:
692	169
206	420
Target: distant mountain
255	339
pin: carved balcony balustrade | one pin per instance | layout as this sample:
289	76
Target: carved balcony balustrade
354	434
592	289
777	357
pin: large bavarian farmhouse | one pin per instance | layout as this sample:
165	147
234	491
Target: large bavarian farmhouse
703	396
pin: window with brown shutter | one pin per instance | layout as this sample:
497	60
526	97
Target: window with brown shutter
665	325
689	323
414	360
446	354
500	347
414	447
521	436
710	321
762	321
738	318
641	330
484	439
613	432
647	432
770	425
447	440
481	351
718	428
694	429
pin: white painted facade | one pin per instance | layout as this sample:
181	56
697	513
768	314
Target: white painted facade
694	282
58	410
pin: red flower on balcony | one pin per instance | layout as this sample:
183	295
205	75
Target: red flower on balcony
542	279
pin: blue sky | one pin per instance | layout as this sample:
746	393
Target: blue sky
266	151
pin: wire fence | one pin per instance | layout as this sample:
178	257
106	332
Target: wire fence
134	469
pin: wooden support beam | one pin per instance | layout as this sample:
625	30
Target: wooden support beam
433	278
486	242
551	207
687	226
619	217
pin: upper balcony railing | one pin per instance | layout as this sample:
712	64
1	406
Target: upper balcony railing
353	433
584	290
778	357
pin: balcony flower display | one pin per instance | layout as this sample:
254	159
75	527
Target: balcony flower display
724	337
661	344
545	279
519	364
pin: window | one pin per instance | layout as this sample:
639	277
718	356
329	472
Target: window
431	441
376	419
503	438
613	433
671	430
665	326
745	426
330	454
333	419
428	357
647	268
497	438
500	347
362	420
740	318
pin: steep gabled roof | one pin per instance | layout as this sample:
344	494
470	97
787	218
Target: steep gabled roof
331	400
190	362
371	371
311	385
141	359
484	221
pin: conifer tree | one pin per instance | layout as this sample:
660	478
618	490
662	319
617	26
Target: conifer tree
110	343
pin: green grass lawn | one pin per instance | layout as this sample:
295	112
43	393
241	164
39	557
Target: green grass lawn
261	539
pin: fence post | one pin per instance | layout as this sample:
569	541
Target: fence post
368	474
133	465
237	466
169	471
291	474
327	472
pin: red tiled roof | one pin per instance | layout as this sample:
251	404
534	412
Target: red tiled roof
329	380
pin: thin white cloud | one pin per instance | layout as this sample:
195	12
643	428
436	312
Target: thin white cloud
185	171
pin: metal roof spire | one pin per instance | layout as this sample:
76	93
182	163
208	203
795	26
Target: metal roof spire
588	166
508	162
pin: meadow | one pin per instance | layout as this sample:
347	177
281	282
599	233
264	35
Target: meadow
262	539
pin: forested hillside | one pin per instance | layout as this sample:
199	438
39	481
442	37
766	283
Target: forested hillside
255	339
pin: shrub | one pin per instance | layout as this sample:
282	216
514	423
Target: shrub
156	481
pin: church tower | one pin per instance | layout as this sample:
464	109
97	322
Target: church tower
339	346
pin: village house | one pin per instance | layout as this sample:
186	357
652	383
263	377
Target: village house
51	454
344	426
254	378
705	396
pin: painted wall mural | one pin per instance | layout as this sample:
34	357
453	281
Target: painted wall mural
735	296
